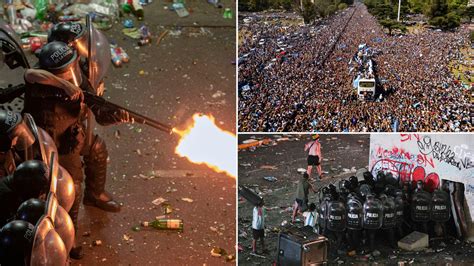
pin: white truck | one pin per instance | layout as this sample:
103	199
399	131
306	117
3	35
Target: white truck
365	81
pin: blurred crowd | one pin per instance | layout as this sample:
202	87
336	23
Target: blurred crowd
295	77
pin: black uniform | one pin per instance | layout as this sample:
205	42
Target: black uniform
7	211
63	118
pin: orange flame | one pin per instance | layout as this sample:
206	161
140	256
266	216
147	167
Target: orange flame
203	142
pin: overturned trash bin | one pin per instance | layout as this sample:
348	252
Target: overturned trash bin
301	246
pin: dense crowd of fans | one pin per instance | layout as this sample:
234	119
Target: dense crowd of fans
297	78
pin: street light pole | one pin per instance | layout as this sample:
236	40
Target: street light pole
399	4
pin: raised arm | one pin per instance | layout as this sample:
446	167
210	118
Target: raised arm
39	76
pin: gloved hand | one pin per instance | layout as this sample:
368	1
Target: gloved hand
122	116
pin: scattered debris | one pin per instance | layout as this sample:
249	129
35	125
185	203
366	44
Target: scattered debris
218	252
269	167
167	209
230	258
258	256
187	200
97	243
158	201
270	178
301	170
414	241
126	237
161	37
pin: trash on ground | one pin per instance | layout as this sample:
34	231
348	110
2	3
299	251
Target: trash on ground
270	178
158	201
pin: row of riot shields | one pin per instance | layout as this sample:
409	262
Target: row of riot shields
368	203
54	233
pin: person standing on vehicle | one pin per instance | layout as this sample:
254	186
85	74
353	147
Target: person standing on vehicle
314	155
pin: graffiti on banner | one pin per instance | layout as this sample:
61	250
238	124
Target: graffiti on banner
426	157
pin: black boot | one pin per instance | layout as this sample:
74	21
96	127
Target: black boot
96	173
76	253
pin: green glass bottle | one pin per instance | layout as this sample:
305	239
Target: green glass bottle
137	10
165	224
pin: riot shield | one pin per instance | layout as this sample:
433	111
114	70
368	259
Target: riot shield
98	56
373	213
440	209
54	235
389	212
62	221
13	56
48	247
354	214
336	216
420	206
38	146
65	189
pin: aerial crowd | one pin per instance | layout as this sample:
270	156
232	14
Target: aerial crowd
295	77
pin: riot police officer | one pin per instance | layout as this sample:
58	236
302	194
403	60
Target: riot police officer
30	180
420	207
336	218
54	97
15	136
32	211
16	241
440	208
389	218
95	151
354	220
373	217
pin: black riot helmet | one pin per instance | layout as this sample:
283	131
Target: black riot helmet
31	210
344	186
381	176
419	185
391	180
61	60
369	178
333	192
16	241
30	179
364	190
389	190
325	190
72	33
14	132
354	182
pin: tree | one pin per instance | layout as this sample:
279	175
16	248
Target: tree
342	6
331	10
321	7
469	12
391	25
287	5
453	20
438	21
384	11
416	6
309	12
436	8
